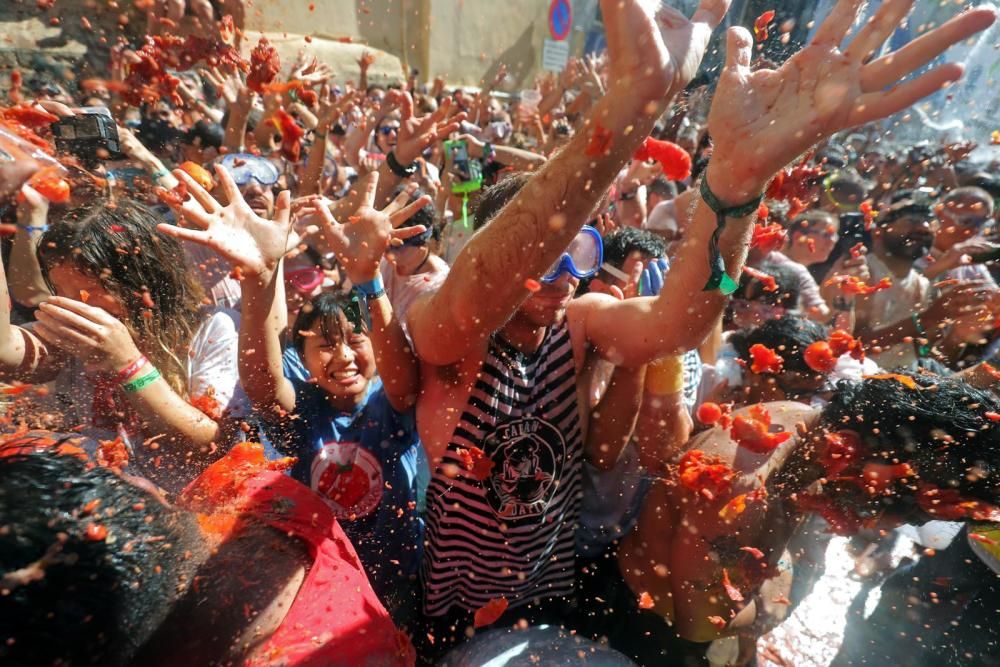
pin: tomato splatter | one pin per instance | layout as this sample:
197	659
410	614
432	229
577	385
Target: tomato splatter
753	551
600	142
843	449
731	591
766	279
646	601
705	474
879	477
869	213
84	295
490	612
532	285
676	161
992	416
842	342
95	532
733	508
173	198
476	462
199	174
819	357
949	504
752	431
765	360
854	285
709	412
760	25
982	538
904	380
768	238
49	183
858	250
842	521
291	134
113	454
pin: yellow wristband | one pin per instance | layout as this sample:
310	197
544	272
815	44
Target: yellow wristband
665	376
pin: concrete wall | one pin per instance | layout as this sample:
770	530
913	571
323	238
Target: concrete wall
462	40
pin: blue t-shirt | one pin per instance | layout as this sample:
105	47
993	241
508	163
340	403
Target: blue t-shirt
369	467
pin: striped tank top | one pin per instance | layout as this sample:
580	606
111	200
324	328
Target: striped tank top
507	529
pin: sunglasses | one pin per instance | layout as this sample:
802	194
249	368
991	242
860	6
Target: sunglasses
386	130
582	259
305	280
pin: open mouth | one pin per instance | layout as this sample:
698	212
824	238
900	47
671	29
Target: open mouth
345	377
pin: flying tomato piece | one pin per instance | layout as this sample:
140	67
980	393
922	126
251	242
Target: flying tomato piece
752	431
819	357
765	360
705	475
490	612
676	161
732	592
760	25
709	413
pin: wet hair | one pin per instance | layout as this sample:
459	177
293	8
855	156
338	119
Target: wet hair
495	197
662	187
787	295
941	429
206	133
327	307
788	335
904	205
117	243
72	600
619	244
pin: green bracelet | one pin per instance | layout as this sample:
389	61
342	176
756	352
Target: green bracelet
922	349
142	382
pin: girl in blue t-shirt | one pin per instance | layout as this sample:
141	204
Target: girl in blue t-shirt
352	429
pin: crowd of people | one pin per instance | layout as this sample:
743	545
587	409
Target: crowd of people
302	370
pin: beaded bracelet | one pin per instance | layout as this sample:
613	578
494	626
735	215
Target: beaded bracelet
142	382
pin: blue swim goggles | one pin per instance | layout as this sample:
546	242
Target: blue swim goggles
246	167
582	259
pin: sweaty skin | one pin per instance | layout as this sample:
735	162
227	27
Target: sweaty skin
680	546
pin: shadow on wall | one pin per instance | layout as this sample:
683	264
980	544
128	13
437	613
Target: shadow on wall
520	58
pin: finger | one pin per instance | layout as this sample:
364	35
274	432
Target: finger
875	105
283	208
57	317
407	232
207	202
739	45
229	187
838	22
874	33
194	235
91	313
710	12
400	200
370	187
892	67
61	336
401	216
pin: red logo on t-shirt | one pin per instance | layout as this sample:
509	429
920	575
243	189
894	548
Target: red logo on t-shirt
349	479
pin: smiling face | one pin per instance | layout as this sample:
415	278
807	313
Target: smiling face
342	361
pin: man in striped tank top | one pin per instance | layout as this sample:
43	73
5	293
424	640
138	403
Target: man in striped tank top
506	356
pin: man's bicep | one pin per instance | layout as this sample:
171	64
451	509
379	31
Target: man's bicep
436	335
620	331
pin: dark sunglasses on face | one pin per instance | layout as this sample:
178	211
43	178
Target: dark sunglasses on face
386	130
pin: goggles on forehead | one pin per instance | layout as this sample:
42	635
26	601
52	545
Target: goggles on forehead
582	258
305	280
246	167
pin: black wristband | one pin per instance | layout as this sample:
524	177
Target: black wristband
398	169
718	278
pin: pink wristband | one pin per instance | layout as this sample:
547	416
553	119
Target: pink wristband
126	373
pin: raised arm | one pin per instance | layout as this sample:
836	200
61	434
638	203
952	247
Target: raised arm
256	246
487	282
760	121
359	246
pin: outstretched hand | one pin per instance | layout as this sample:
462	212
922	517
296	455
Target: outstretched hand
762	120
654	55
360	243
247	241
416	133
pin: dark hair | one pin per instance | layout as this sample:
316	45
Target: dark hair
427	216
117	243
495	197
207	134
327	307
787	295
662	187
788	335
619	244
78	600
940	428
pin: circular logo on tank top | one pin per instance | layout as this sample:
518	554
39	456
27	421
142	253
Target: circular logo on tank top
349	478
528	455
